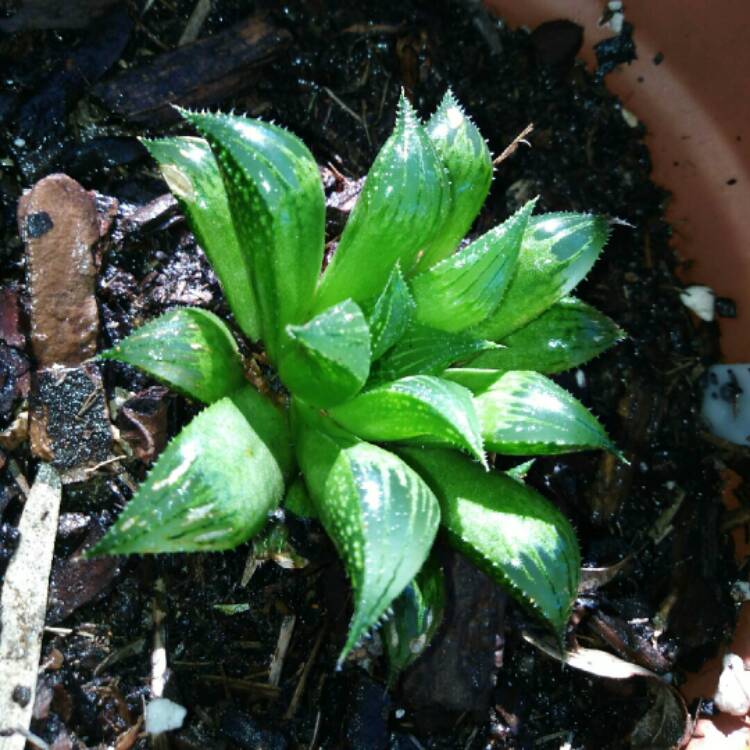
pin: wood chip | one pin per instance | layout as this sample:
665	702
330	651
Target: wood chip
199	74
23	606
282	646
593	579
591	660
195	22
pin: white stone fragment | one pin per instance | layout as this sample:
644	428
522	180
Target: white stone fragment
164	715
23	605
740	591
630	119
617	21
733	694
700	299
726	402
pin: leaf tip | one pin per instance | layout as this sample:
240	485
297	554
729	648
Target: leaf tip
111	353
406	114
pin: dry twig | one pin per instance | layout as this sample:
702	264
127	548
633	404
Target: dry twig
514	144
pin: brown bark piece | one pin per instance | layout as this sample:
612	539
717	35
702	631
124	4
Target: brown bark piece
58	222
75	581
10	318
52	14
143	422
194	75
455	674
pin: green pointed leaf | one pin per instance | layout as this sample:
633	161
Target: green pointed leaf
469	163
525	413
328	359
507	529
419	408
417	615
278	210
213	486
565	336
391	314
190	169
381	516
298	500
557	251
475	379
403	203
189	349
423	350
520	471
463	290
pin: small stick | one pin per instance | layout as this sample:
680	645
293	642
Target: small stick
87	404
282	646
15	472
251	565
513	146
343	106
316	729
195	22
300	688
364	123
106	462
236	683
159	669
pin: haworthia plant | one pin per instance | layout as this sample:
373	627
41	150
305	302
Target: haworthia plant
405	362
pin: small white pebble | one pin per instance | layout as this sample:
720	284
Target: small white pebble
733	694
741	591
19	142
629	117
163	715
700	299
616	22
580	378
399	713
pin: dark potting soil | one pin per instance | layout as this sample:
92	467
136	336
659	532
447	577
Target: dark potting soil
336	85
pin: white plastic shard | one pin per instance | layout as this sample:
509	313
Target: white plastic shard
726	402
733	694
700	299
164	715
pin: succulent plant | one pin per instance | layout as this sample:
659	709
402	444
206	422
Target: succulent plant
410	360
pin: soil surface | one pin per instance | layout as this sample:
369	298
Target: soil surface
332	73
